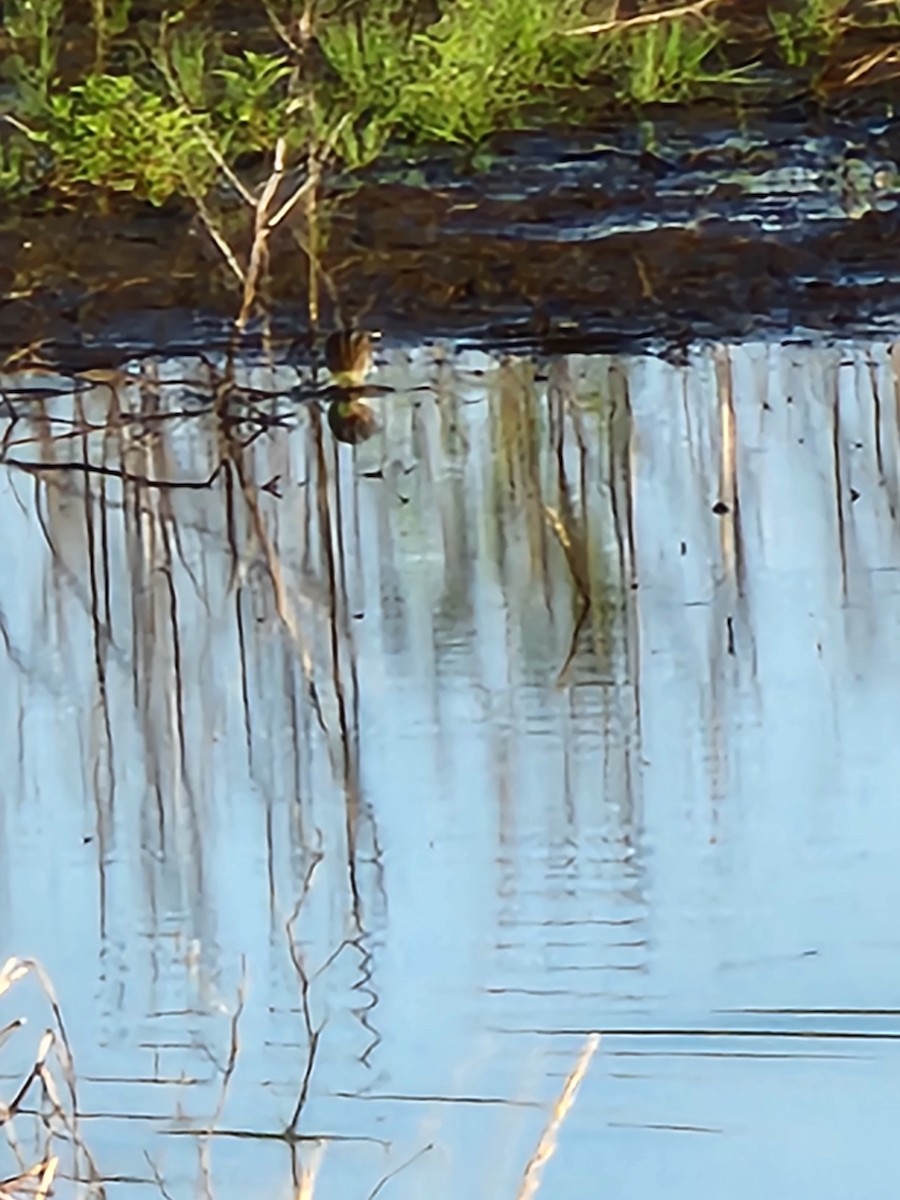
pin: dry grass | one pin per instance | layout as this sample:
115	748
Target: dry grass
55	1120
546	1147
49	1088
656	17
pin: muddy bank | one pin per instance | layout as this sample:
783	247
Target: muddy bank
580	243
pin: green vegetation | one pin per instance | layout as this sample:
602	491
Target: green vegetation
479	67
807	31
155	107
111	133
669	62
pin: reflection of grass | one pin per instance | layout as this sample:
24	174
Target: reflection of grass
542	498
383	73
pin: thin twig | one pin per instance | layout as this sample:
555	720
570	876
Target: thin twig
313	1033
219	239
233	1047
396	1171
164	65
261	233
158	1179
59	1119
864	65
651	18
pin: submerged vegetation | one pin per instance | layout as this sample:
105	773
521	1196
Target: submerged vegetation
120	97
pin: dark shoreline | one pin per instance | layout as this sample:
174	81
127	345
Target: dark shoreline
535	253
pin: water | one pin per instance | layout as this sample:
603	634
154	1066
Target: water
566	703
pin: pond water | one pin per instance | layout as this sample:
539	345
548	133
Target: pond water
566	703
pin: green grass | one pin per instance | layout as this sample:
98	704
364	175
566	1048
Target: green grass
483	65
112	134
32	29
670	62
147	108
808	31
486	65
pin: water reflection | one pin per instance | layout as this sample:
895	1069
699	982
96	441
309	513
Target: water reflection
562	701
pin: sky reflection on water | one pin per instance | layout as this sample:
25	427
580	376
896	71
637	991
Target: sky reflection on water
580	676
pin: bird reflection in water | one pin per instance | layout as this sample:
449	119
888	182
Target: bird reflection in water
348	356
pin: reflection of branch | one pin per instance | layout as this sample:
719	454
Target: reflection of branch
86	468
157	1178
15	969
305	1177
396	1171
280	591
227	1073
312	1033
573	642
233	1045
24	1183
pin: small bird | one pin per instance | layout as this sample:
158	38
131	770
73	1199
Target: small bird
348	356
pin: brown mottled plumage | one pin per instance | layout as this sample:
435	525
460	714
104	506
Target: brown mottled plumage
348	356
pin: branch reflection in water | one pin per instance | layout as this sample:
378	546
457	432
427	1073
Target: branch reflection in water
461	652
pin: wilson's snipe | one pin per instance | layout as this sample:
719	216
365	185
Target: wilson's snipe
348	356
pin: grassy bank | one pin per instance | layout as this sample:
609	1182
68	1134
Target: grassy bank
109	97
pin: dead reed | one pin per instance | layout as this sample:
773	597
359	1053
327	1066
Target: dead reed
46	1099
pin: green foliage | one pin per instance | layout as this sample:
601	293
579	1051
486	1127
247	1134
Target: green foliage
252	109
244	94
380	73
477	68
13	168
371	67
484	65
33	29
115	135
479	65
185	57
109	18
807	30
667	62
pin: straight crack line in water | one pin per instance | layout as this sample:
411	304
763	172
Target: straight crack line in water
427	1099
660	1126
816	1012
800	1034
